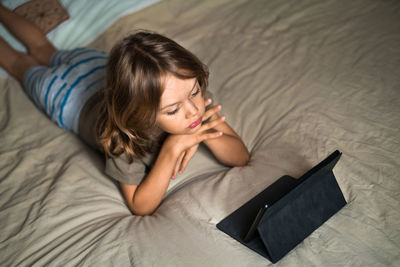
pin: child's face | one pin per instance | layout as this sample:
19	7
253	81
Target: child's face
181	107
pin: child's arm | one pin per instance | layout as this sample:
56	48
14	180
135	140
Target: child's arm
229	149
143	199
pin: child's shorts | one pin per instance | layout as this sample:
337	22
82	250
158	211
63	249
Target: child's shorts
62	89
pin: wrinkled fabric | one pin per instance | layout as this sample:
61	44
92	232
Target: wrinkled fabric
296	79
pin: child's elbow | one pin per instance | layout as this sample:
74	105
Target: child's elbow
241	160
244	159
141	211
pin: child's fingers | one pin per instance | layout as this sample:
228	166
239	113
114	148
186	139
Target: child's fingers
212	135
211	112
208	102
178	165
212	123
188	155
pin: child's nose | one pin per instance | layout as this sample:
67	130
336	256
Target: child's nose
191	109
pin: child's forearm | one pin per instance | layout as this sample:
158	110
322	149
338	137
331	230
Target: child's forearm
229	150
149	193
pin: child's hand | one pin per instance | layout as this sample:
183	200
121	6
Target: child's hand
183	160
185	145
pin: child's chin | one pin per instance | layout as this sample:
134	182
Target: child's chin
190	130
186	131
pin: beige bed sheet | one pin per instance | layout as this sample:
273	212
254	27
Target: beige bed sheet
296	79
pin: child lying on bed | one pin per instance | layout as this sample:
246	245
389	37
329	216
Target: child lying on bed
144	106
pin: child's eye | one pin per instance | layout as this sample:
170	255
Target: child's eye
196	92
173	112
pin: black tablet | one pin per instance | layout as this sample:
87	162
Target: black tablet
276	220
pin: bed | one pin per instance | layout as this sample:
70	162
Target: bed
296	79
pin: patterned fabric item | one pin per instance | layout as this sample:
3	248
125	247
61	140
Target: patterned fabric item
46	14
62	89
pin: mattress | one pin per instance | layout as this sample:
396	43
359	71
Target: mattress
296	80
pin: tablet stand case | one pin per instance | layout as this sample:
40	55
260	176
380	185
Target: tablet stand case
285	213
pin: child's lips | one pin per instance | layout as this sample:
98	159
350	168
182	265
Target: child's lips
194	124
